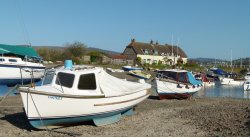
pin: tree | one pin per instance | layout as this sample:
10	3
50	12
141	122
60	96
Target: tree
138	59
77	49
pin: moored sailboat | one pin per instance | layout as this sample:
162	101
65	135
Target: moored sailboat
19	65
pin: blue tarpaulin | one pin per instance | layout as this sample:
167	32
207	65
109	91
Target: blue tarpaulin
192	80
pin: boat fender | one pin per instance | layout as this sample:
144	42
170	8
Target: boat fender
193	86
187	86
179	86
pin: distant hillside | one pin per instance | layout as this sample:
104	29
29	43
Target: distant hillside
243	61
207	60
89	49
102	50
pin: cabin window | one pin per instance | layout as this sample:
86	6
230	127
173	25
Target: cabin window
167	75
182	77
65	79
12	60
87	81
1	59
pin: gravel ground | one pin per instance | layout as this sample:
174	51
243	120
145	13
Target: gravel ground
153	117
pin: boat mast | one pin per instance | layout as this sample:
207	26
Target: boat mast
177	48
172	54
231	59
240	62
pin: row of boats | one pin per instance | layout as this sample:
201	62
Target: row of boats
225	78
72	94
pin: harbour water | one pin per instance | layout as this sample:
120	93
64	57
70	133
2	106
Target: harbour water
224	91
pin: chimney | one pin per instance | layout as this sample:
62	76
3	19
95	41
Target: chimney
151	42
132	40
156	43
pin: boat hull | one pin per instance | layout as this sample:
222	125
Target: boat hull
169	90
175	95
140	76
13	74
229	81
129	68
55	110
246	85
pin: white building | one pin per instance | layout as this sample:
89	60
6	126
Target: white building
155	53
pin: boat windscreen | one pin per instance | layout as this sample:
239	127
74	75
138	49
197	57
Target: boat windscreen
48	77
192	80
182	77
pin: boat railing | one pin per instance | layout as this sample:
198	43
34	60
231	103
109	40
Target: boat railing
32	77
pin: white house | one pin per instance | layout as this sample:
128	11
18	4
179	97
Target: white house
155	53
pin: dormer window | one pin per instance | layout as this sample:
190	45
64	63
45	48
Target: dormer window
146	51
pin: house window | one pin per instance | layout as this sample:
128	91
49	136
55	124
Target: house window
148	60
155	61
87	81
12	60
65	79
155	52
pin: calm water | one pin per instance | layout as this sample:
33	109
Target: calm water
214	91
223	91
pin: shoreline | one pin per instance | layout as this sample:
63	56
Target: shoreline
153	117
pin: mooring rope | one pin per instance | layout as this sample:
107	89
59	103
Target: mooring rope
8	93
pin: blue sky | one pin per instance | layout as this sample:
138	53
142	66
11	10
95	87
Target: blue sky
205	28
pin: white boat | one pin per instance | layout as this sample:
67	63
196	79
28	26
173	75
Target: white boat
19	64
177	84
205	81
114	70
247	76
246	85
81	94
231	81
139	74
128	68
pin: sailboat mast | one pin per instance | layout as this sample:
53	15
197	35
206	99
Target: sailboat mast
240	62
172	45
231	59
177	47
